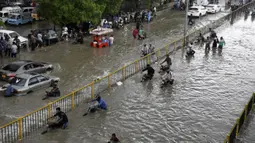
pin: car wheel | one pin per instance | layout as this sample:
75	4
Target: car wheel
48	69
29	92
200	14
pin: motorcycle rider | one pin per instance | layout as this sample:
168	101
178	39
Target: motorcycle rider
65	33
145	50
167	77
168	61
60	123
212	33
207	43
151	49
80	37
55	92
190	50
150	72
101	104
191	22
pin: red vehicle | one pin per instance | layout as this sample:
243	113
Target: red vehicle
99	37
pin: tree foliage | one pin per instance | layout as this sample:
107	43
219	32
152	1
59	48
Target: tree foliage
75	11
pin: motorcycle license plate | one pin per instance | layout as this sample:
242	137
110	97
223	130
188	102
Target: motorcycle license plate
3	76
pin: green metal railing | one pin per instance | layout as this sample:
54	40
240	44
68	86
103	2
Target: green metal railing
240	121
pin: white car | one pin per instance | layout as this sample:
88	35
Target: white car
197	11
4	15
213	8
14	9
12	35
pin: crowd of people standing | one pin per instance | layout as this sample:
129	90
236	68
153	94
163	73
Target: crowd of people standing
9	47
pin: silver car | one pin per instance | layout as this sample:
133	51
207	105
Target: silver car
27	83
10	70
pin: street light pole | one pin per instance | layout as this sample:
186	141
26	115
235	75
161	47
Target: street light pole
186	23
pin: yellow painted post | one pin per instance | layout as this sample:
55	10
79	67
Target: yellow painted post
175	45
158	52
109	81
237	127
49	110
166	47
124	73
149	59
93	90
252	107
20	128
73	103
228	138
136	66
245	111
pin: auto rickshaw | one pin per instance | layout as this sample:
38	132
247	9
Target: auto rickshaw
99	37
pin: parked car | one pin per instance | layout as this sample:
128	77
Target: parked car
13	9
26	83
49	36
10	70
213	8
197	11
4	15
12	35
19	19
35	15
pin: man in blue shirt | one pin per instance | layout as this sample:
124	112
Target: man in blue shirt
9	91
101	105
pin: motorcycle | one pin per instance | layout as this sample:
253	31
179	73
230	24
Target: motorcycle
171	82
107	24
146	77
50	123
190	54
164	68
165	83
143	36
120	24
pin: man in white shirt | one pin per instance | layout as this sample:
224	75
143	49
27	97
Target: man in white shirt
145	50
39	38
14	49
111	39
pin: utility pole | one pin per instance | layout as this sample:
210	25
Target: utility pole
186	23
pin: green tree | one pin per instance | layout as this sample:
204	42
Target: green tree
111	6
2	24
61	12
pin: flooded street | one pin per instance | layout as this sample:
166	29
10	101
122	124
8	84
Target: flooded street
78	65
208	95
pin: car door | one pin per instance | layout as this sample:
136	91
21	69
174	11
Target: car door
203	10
28	68
38	68
44	81
33	84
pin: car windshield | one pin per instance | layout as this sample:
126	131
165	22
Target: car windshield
18	81
14	34
13	16
11	67
211	6
193	8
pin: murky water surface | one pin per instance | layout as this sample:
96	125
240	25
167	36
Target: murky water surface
208	94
